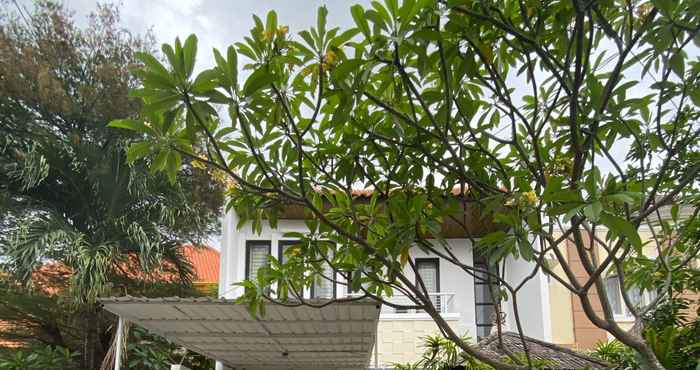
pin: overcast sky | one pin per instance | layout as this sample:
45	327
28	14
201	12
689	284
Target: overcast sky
217	23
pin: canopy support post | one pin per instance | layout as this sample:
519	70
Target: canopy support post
119	342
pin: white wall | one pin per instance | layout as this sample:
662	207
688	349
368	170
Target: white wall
454	280
533	300
533	297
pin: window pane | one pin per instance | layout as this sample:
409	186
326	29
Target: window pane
258	252
428	271
323	288
612	287
650	296
284	245
635	296
429	274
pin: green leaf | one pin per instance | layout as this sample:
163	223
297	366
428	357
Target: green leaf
358	14
321	20
344	37
621	198
173	164
621	227
138	150
159	162
666	7
393	7
129	124
592	211
160	103
345	68
573	212
172	59
695	95
153	64
257	80
232	61
189	54
427	34
677	64
271	22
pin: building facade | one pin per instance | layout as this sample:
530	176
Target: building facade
570	326
463	302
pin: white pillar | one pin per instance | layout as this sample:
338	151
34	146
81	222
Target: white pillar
230	258
119	341
219	366
179	367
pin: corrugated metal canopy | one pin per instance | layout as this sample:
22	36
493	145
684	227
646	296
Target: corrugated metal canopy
337	336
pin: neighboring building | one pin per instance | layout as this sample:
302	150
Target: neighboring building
51	278
205	263
464	303
570	325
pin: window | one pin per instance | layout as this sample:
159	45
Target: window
321	286
637	297
429	271
483	300
257	252
282	247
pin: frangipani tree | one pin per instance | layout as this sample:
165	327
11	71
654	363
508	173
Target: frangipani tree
552	117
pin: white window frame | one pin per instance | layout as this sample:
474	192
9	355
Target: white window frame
645	298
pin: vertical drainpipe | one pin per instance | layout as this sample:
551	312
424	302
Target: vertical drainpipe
119	341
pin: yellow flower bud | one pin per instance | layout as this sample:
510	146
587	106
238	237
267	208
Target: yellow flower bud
282	31
330	57
197	164
530	197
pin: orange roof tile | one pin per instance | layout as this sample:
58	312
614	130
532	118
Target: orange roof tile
51	277
205	263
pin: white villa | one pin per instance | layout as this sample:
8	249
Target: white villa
353	335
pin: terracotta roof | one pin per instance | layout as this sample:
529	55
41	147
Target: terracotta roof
559	357
367	192
51	277
205	262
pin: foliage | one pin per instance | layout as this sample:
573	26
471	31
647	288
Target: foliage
617	354
439	353
673	338
151	352
545	120
47	357
70	194
67	192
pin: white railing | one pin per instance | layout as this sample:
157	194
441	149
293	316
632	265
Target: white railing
442	301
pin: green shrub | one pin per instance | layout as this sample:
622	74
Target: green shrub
40	358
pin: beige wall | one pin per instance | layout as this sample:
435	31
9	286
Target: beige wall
570	326
401	341
561	311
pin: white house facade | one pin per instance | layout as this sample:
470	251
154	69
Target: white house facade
463	303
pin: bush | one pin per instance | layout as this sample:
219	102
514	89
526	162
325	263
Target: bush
674	339
41	358
147	351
